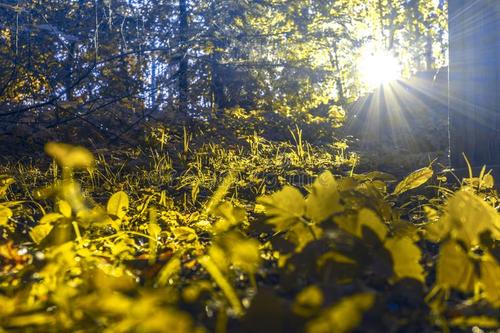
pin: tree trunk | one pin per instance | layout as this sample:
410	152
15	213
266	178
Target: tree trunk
474	94
216	84
183	62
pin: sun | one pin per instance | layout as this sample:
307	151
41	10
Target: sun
378	68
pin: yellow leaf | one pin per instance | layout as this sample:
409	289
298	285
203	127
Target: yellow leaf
223	284
165	320
118	205
69	156
70	192
367	218
5	182
488	181
5	214
50	218
185	234
431	213
336	257
478	321
466	217
230	216
31	320
490	279
344	316
308	301
108	278
172	267
406	257
300	234
284	207
245	254
220	193
414	180
39	232
324	198
219	257
259	209
454	268
64	208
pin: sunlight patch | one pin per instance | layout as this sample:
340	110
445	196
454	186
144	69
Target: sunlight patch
378	68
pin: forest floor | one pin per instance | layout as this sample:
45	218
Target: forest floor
199	231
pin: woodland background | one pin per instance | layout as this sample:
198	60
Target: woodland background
221	166
108	71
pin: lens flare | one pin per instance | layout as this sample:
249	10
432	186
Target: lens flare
379	68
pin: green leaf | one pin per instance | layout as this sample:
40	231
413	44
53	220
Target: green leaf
284	207
414	180
118	205
324	199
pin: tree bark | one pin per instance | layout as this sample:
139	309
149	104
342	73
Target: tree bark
474	82
183	62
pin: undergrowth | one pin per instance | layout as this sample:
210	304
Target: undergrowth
265	237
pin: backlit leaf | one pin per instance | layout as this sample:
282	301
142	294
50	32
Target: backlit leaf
284	207
324	198
414	180
466	217
118	204
70	156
